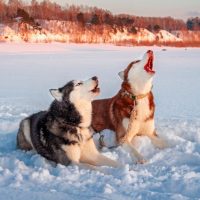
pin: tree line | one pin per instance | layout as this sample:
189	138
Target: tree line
88	16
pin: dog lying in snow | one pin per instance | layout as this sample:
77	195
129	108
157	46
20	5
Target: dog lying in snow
131	111
62	133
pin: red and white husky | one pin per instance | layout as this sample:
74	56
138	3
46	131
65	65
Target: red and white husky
131	111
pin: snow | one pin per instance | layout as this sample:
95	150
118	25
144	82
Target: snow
28	71
165	36
145	35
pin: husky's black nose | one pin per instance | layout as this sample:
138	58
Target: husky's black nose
94	78
150	51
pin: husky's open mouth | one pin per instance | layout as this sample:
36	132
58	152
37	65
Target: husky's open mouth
149	65
96	88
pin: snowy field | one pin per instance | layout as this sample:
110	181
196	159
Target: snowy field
28	71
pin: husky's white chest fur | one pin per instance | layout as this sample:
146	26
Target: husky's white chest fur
142	122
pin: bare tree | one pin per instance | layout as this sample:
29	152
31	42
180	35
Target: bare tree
2	10
13	5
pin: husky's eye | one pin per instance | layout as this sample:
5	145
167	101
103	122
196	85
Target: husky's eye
78	84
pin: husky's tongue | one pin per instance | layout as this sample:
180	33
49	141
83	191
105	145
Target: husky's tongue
149	66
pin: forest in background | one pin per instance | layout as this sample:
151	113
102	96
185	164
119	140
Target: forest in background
49	21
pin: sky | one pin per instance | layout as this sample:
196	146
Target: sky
174	8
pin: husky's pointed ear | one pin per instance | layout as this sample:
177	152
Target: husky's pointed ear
56	94
121	75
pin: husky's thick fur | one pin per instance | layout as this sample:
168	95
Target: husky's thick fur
131	111
62	133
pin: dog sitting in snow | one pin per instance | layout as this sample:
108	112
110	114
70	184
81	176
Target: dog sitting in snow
62	133
131	111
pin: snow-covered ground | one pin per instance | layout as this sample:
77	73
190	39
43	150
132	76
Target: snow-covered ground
28	71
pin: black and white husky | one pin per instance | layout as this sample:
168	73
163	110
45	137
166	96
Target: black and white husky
62	134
